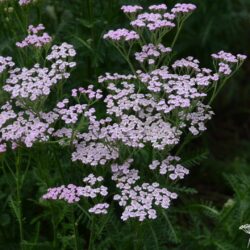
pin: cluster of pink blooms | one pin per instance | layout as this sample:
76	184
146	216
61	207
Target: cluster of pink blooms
183	8
25	85
114	77
35	38
152	21
69	114
38	81
24	2
150	53
6	63
89	92
23	126
197	118
128	9
228	57
73	194
188	63
150	109
170	166
138	200
157	19
158	7
227	62
121	35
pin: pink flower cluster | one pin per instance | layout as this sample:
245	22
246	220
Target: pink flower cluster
121	35
190	64
157	18
6	63
34	37
24	2
139	201
100	208
22	127
170	166
197	118
158	7
72	193
228	57
152	21
128	9
183	8
37	82
90	93
150	53
228	62
69	114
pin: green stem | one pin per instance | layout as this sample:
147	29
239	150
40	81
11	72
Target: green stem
179	28
19	201
126	57
75	230
91	239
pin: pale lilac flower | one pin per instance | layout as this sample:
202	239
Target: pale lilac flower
188	63
37	82
90	93
169	16
153	21
6	63
171	167
197	118
158	7
121	35
241	57
224	69
228	57
2	148
128	9
34	37
24	2
100	208
150	51
73	194
138	201
183	8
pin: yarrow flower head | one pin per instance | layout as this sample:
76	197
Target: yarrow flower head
37	82
129	9
158	7
139	201
72	193
6	63
24	2
121	35
171	167
228	62
152	21
183	8
90	93
34	37
228	57
150	53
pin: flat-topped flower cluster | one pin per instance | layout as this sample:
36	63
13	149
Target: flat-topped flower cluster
151	109
35	38
20	2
